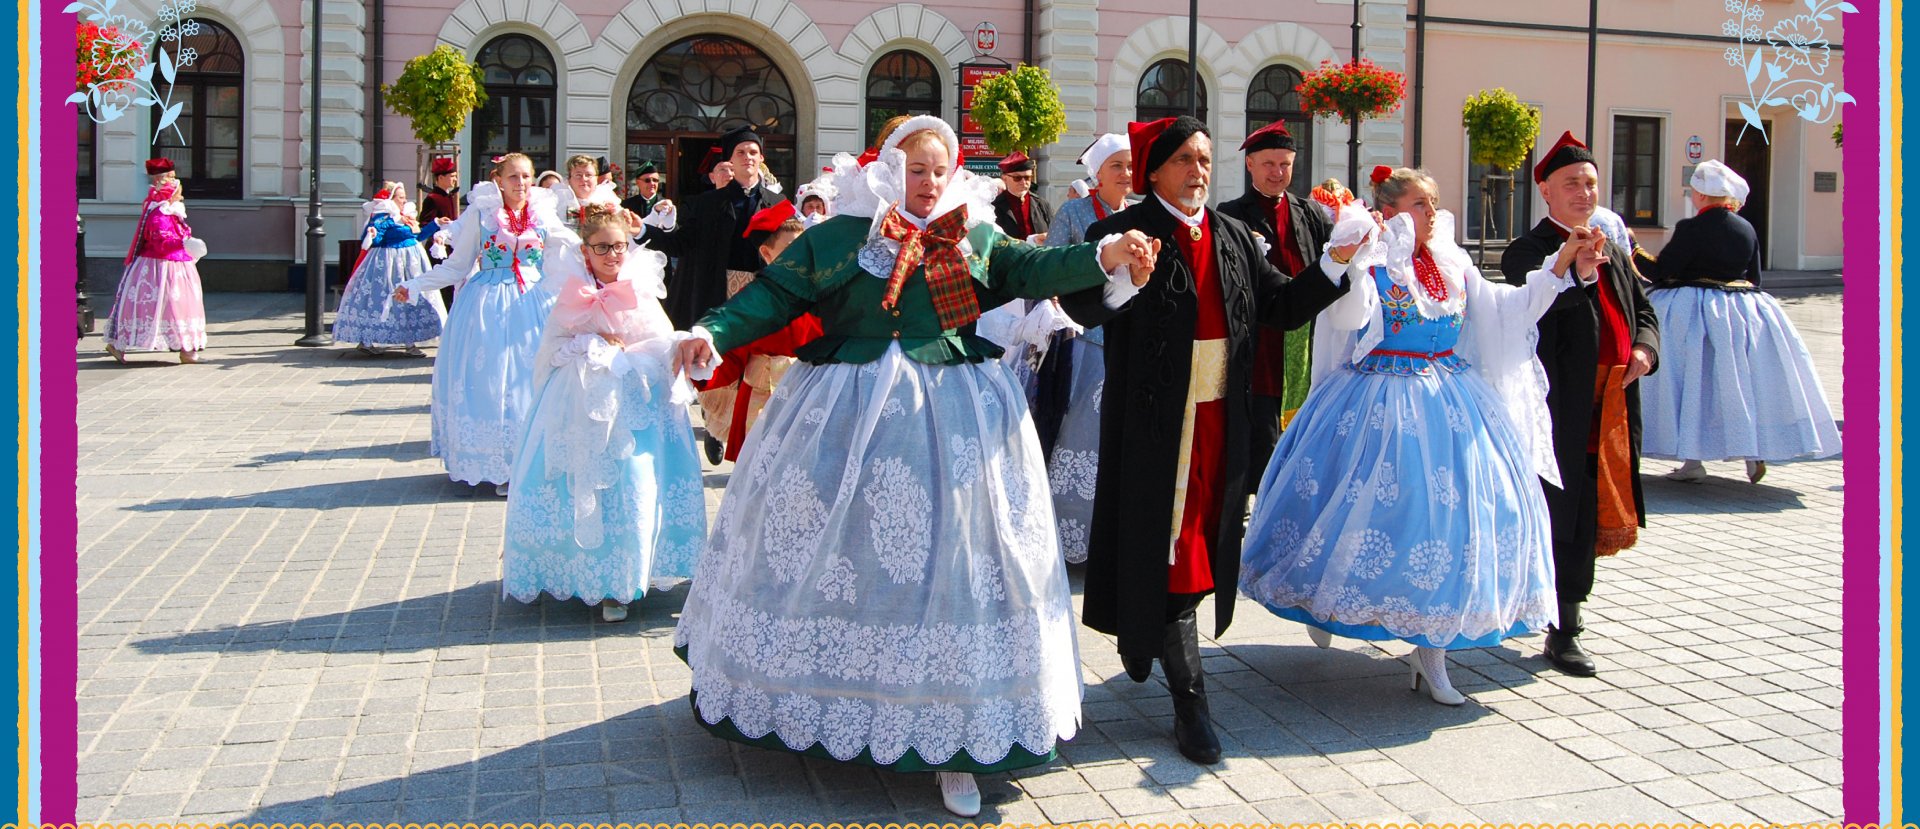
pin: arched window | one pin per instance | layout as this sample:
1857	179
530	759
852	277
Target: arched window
690	92
518	73
207	139
1271	97
1166	89
903	82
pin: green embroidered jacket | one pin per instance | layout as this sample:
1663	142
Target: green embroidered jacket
820	274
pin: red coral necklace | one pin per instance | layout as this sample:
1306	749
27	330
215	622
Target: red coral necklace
1428	272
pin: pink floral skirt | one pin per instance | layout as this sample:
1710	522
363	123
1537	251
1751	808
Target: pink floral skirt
158	308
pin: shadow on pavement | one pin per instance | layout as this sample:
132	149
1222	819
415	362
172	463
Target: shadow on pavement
432	488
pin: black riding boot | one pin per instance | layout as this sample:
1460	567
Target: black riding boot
1192	724
1563	643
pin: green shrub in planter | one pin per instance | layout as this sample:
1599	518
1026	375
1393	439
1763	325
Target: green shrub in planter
438	90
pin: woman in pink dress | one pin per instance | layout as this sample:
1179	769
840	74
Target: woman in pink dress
158	306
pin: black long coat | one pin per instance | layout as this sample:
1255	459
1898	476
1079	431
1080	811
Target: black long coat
1149	363
1040	214
706	239
1570	351
1309	230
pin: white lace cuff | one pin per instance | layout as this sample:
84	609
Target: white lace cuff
1334	270
692	371
1119	289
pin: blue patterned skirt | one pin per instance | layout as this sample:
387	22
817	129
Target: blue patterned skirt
1402	507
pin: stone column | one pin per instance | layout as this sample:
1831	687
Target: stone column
1067	38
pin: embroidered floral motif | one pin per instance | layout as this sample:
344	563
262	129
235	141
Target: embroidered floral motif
892	409
686	504
815	417
984	577
1440	485
1428	564
1303	483
901	526
966	460
1371	552
1075	473
1348	419
836	583
1386	487
794	520
1073	540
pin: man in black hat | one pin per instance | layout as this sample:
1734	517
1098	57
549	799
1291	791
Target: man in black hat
1295	232
646	183
707	238
1019	211
705	233
1594	343
1172	485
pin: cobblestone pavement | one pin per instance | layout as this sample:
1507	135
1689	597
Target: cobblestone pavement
288	613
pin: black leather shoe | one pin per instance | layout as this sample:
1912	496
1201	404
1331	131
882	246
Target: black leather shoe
1138	669
1192	722
1563	644
714	451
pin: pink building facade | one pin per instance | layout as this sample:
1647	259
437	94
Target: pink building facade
656	80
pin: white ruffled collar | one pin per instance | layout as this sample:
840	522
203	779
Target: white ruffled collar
1453	263
375	207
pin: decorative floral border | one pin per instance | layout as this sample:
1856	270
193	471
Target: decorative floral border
115	75
1795	43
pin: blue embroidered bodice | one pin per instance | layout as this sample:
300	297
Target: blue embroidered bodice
1413	344
388	233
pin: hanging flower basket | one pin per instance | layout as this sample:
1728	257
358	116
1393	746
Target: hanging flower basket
106	54
1356	90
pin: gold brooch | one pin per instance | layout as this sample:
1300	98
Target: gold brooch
1194	232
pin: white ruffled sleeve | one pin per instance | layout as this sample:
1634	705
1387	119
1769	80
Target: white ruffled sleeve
458	265
1498	340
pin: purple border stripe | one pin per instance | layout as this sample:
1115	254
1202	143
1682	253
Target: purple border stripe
1860	518
59	438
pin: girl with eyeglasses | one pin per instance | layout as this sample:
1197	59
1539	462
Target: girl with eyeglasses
607	492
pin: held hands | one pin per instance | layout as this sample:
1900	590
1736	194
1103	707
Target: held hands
1586	250
1135	251
691	353
400	295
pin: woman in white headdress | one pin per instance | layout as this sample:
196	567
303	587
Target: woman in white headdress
1066	406
882	584
1736	380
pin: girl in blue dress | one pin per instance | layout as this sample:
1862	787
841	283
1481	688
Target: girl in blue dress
482	377
1402	503
607	492
391	255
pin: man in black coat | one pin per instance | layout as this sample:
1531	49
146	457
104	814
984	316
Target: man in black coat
706	235
1605	329
1295	230
1172	486
1019	211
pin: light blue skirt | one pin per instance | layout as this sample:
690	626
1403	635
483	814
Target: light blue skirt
482	378
1402	507
368	296
648	523
1735	382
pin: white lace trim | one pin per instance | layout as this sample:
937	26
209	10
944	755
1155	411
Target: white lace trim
960	655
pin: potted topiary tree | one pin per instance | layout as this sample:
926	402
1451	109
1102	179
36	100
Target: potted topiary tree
1019	111
437	91
1500	132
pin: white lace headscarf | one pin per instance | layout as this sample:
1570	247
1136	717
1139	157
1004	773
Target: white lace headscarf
871	191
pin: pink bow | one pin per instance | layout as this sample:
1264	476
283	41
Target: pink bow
581	308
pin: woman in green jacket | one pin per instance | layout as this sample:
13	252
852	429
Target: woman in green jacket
883	583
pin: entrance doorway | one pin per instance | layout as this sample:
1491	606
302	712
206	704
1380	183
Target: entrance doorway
697	88
1752	157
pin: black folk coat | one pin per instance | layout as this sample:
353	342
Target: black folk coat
1570	351
1005	212
1149	354
707	242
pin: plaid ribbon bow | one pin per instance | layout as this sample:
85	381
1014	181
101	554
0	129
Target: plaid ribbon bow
938	247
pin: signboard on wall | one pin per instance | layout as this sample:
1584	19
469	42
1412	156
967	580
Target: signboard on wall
985	39
973	143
